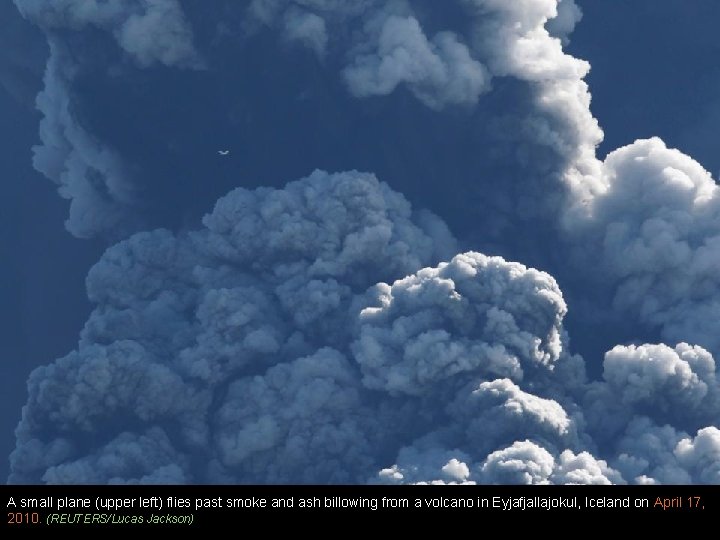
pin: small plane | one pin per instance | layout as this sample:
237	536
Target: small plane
223	152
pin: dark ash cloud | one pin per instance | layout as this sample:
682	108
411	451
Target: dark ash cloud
330	330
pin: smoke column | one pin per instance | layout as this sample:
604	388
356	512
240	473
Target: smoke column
260	320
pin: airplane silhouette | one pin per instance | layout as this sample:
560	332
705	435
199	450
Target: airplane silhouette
223	152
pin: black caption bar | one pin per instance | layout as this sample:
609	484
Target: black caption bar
58	507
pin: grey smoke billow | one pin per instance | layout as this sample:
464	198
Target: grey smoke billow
187	327
87	172
652	454
92	176
330	330
148	31
685	377
123	456
443	323
439	72
528	463
657	228
257	349
368	67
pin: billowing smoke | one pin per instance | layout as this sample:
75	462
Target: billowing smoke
330	329
149	31
655	234
258	349
261	303
465	75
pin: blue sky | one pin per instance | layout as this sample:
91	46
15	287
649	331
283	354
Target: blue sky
285	290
